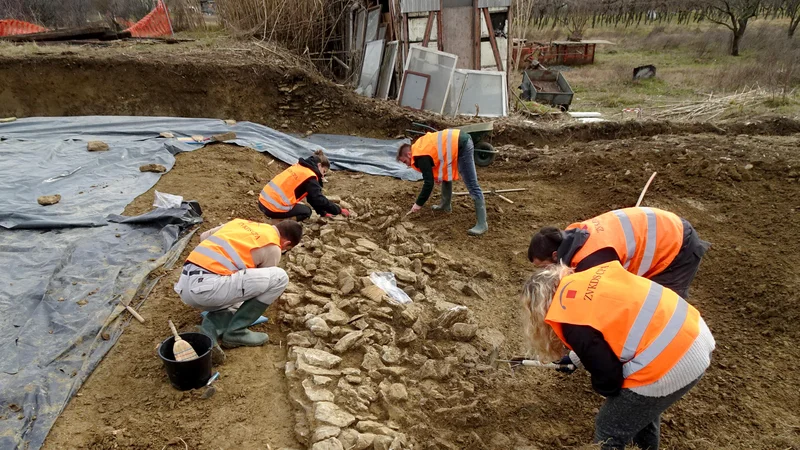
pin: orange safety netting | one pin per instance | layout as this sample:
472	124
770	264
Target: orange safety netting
10	27
155	23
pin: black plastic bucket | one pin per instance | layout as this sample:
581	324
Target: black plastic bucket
185	375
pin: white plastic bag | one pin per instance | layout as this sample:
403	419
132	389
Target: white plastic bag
167	200
387	282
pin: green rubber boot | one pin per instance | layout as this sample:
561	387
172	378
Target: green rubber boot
447	196
481	226
237	334
214	323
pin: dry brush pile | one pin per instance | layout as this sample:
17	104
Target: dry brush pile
368	372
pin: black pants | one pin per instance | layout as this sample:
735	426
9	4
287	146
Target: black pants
680	273
300	212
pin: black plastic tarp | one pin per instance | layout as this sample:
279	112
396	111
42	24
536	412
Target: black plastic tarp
66	267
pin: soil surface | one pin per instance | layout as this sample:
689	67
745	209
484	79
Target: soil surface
739	191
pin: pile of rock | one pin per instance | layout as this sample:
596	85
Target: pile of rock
359	361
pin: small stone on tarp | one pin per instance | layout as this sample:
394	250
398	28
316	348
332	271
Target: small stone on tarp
96	146
155	168
46	200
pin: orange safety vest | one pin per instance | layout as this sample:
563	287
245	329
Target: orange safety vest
645	239
647	326
443	148
228	250
278	195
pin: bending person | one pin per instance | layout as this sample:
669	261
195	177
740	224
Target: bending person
234	263
649	242
442	157
643	345
280	199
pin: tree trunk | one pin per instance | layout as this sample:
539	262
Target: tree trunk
793	26
738	32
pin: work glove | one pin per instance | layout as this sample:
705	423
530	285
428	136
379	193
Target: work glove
345	212
414	209
327	215
565	362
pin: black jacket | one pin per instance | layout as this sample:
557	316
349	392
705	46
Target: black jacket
313	187
597	357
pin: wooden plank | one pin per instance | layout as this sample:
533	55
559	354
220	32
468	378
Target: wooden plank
406	38
439	31
476	36
62	35
492	40
428	28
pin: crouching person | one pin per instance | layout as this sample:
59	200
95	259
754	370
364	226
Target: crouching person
236	264
643	345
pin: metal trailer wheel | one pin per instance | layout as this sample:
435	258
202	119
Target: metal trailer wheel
483	159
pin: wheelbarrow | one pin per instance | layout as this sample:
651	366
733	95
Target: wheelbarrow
484	151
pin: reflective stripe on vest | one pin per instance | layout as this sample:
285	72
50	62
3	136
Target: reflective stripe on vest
442	147
279	194
646	239
228	250
648	327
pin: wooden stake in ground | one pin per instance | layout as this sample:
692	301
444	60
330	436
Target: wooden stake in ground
641	196
183	350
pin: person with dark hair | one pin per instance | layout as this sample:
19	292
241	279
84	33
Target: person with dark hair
441	157
649	242
236	264
280	199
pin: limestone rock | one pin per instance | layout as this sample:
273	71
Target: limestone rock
489	338
316	393
369	426
349	438
324	432
464	331
292	300
155	168
303	367
364	441
330	413
372	360
318	327
324	289
396	392
46	200
316	299
319	358
366	243
428	248
298	340
328	444
301	271
391	355
320	380
347	285
382	442
96	146
404	275
455	314
335	315
407	337
347	341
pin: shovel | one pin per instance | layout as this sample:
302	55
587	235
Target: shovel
210	390
514	363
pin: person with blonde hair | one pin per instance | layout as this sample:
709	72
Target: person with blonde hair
280	199
643	345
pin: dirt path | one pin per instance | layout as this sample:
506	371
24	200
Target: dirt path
740	193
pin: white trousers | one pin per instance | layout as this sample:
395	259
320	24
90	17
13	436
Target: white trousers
212	292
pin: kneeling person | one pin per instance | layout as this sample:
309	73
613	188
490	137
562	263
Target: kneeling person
234	263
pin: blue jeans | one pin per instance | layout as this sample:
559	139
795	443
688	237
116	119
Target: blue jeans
466	170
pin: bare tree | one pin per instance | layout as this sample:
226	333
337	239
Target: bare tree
734	14
791	9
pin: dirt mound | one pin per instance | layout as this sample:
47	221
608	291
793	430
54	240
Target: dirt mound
435	391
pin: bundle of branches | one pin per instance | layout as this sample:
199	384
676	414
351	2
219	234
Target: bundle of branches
303	25
185	14
711	107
